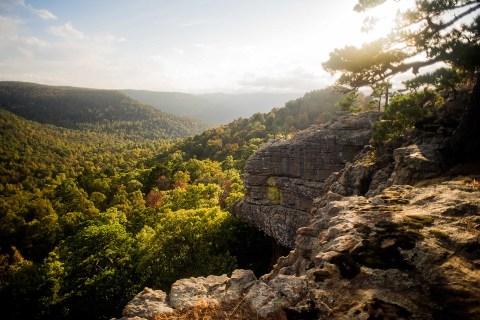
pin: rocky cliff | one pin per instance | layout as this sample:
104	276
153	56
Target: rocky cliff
284	177
388	233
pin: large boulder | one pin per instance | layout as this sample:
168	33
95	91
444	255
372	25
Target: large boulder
190	293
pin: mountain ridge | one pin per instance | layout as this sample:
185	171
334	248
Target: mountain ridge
94	109
217	108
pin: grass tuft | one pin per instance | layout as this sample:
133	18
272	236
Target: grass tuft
207	309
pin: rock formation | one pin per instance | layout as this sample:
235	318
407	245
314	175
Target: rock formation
284	177
407	253
387	233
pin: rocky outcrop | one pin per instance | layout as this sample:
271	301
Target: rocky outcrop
407	253
387	235
207	293
284	177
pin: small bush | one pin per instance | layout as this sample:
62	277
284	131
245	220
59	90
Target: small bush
401	115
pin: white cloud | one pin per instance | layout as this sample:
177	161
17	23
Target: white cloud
42	13
34	41
67	31
9	27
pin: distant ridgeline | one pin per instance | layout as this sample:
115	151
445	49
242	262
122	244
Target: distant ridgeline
217	108
97	110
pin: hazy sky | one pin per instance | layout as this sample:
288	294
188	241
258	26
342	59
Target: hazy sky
177	45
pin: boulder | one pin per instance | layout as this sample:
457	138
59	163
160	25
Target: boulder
148	304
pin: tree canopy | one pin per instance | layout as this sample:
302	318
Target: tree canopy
430	32
446	32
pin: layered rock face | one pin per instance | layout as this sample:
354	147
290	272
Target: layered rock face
284	177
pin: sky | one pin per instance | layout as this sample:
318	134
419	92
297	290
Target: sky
194	46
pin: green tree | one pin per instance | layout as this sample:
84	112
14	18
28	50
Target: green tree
30	224
443	79
185	243
402	114
25	293
432	31
97	269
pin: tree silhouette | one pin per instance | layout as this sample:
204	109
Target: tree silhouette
433	31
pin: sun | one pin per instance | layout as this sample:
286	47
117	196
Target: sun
381	20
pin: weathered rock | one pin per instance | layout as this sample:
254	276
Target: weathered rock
415	163
148	304
283	178
293	288
411	253
239	282
186	292
265	300
189	293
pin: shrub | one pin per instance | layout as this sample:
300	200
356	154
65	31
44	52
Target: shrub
401	115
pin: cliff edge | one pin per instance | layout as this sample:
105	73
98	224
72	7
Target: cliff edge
284	177
377	233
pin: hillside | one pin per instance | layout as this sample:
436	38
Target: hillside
72	197
240	138
217	108
97	110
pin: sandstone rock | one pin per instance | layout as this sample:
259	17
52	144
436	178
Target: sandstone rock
415	163
265	300
284	177
239	282
187	292
293	288
148	304
407	253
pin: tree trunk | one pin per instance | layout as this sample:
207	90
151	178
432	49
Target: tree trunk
465	142
386	97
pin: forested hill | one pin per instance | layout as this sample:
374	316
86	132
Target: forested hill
217	108
77	228
240	138
87	218
97	110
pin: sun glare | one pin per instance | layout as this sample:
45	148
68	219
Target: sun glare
382	19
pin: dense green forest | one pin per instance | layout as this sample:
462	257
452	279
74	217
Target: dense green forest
88	217
107	111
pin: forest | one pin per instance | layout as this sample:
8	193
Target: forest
101	195
90	217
